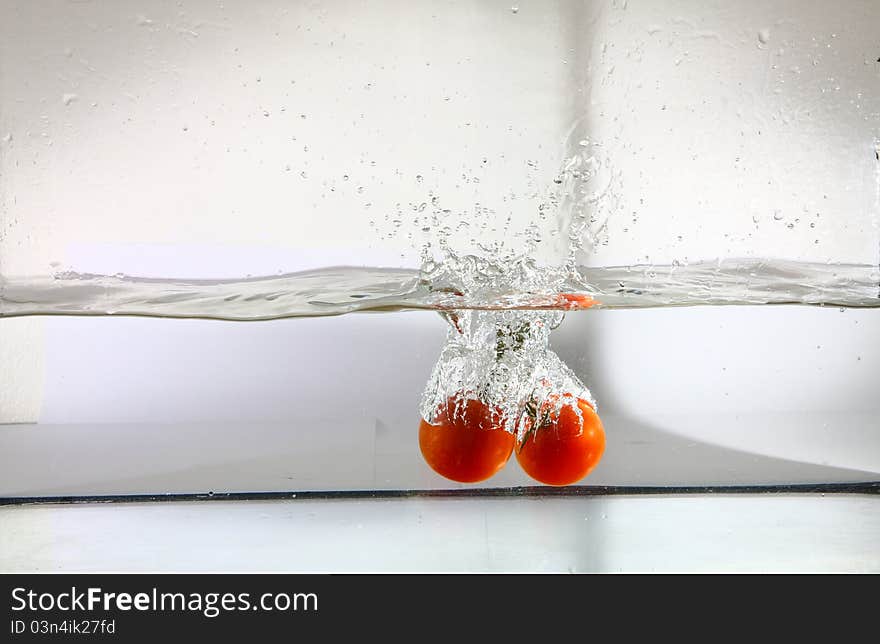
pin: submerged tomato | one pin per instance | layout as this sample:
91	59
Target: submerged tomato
466	443
562	447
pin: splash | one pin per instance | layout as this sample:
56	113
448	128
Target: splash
504	360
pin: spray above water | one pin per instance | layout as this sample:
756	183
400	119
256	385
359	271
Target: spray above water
562	221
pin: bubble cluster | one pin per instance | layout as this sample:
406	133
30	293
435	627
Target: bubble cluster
571	216
504	360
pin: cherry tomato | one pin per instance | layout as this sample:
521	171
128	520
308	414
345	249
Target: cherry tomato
576	301
466	443
560	447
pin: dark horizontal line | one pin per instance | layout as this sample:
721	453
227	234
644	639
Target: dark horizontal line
870	487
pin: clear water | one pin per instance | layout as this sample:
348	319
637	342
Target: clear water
337	290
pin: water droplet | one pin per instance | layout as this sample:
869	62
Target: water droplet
777	215
345	177
514	9
764	36
67	99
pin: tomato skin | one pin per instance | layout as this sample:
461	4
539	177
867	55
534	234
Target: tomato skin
565	449
573	301
467	443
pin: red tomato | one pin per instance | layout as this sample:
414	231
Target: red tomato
576	301
561	448
466	443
